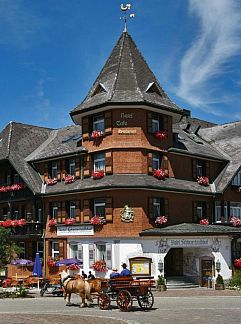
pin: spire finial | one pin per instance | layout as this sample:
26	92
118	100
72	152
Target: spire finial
125	8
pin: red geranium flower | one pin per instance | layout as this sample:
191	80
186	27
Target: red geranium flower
159	174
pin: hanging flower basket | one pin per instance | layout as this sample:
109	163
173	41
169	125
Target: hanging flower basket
98	174
204	221
100	266
97	220
73	267
235	221
204	181
70	221
161	135
52	222
159	174
96	134
161	220
69	179
51	182
237	263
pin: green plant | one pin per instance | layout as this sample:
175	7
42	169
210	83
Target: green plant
161	280
236	280
219	280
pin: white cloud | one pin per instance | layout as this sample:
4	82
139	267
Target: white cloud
18	24
208	57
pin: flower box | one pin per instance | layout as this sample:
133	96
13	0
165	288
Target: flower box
69	179
13	223
14	187
204	221
98	174
204	181
73	267
100	266
51	182
51	262
70	221
161	220
159	174
161	135
96	134
235	221
52	222
97	220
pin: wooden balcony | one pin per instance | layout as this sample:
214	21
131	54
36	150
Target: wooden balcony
30	229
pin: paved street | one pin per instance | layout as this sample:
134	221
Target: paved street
223	307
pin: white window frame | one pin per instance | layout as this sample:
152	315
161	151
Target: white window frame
155	124
155	161
218	212
76	250
99	123
200	213
72	209
102	251
54	169
235	209
72	167
99	162
55	212
99	202
54	249
199	168
237	179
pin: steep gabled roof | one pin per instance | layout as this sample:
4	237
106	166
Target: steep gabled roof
17	142
126	78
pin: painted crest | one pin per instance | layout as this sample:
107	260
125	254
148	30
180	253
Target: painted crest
127	214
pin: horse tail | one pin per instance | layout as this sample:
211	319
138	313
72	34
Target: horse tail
87	291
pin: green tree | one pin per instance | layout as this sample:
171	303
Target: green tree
8	249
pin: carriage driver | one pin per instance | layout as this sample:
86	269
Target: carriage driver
125	272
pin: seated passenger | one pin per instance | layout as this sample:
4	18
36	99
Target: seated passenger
114	273
125	272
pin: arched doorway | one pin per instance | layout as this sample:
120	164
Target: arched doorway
173	263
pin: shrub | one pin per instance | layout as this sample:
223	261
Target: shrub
161	280
236	280
219	280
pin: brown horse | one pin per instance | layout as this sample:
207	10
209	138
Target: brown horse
95	285
76	285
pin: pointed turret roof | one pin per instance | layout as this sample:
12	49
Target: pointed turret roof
126	79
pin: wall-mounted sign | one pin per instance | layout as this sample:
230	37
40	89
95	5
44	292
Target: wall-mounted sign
127	131
127	214
188	242
124	119
140	266
75	230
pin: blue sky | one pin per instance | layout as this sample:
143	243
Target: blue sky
51	51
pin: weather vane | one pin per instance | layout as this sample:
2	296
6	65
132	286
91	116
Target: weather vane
125	9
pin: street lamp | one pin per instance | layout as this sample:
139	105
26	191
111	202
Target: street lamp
160	266
218	266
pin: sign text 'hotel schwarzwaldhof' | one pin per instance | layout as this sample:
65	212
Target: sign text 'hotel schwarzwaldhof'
188	242
75	230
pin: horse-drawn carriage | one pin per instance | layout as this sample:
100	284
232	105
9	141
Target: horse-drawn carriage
124	290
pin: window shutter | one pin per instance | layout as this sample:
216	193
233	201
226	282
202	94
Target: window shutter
85	128
108	163
80	252
151	214
108	122
86	210
91	255
194	169
59	214
67	206
109	255
109	209
207	169
149	163
77	211
149	122
87	165
166	207
164	165
59	170
77	168
195	211
61	249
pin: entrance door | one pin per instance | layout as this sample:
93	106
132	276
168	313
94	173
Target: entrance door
207	272
174	263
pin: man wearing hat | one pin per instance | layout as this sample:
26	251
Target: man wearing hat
125	272
114	273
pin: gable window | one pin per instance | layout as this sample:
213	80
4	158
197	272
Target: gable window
155	161
72	209
237	179
54	169
99	123
99	207
99	162
71	167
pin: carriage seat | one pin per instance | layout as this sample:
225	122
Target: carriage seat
122	278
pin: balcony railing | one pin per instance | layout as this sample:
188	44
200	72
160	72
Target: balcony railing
31	228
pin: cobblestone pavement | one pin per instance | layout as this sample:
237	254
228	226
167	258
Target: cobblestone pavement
196	292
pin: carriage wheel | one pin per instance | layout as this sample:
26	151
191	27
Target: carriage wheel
103	301
124	300
146	301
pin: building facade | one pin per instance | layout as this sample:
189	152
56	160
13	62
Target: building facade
121	184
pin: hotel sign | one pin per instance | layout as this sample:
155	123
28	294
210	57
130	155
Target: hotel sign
75	230
188	243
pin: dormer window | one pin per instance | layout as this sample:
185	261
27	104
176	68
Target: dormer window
99	89
237	179
99	123
153	88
